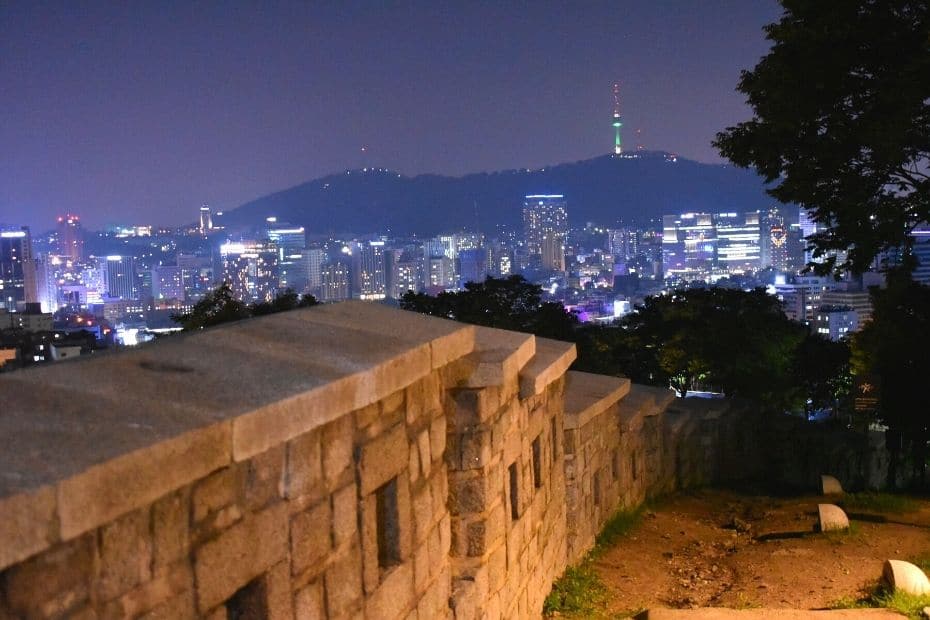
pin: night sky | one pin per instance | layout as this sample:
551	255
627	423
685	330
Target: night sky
132	112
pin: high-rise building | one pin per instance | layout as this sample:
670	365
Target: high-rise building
473	265
835	322
439	272
313	259
120	277
775	240
17	275
689	244
921	250
167	283
545	228
251	269
623	243
334	282
403	273
290	242
46	288
70	238
738	247
206	220
370	276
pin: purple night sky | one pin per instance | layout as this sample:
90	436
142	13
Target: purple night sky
138	112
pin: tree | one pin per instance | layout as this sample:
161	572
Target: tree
822	372
220	306
841	122
506	303
895	348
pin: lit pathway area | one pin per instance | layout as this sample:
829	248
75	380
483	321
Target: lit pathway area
720	549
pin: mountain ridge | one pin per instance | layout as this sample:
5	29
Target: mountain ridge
604	189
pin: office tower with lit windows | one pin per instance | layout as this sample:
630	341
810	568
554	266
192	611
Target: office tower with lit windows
403	270
17	273
290	242
120	280
167	283
738	246
70	238
689	244
251	269
775	241
545	229
334	282
313	263
206	220
368	270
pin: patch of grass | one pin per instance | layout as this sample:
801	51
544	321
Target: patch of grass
841	537
880	597
618	526
579	592
879	502
745	602
922	562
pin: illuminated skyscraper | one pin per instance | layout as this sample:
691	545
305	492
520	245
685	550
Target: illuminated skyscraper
120	277
774	240
369	273
738	243
545	227
17	273
70	238
290	242
251	269
689	244
206	220
334	282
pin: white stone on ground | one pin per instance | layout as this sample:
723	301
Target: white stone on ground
905	577
832	518
830	485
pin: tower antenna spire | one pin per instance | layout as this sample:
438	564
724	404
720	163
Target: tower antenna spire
617	123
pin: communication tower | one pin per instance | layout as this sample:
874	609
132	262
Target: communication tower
617	123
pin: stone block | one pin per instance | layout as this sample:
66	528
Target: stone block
239	554
304	477
905	577
382	458
474	449
468	494
336	442
423	448
422	513
171	528
832	518
309	603
125	554
172	584
343	580
830	485
464	600
53	583
497	568
264	478
179	607
394	596
310	537
421	565
278	598
345	515
103	492
217	491
371	571
27	524
437	437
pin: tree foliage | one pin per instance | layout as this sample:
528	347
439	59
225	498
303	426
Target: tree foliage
841	121
220	306
894	348
506	303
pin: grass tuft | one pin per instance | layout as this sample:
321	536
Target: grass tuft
880	597
579	591
879	502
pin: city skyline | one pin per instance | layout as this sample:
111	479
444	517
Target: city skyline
158	110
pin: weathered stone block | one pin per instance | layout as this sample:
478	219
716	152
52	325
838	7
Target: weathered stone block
394	596
468	494
264	478
278	598
125	554
382	458
304	477
308	602
172	584
345	515
423	449
310	537
26	524
53	583
217	491
171	528
240	554
336	442
179	607
437	437
343	580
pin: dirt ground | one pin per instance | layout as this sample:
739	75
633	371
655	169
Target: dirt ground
720	549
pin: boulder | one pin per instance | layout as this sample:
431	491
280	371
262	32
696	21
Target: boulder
832	518
905	577
830	485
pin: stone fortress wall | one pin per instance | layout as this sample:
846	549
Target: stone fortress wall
345	461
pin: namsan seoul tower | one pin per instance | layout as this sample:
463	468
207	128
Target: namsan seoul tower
617	123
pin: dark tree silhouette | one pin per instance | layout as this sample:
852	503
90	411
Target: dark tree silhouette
842	122
220	306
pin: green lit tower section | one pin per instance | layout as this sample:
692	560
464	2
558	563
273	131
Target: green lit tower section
617	123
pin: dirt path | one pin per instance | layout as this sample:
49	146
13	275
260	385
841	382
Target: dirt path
716	548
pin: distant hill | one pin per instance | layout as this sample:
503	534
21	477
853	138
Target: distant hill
601	190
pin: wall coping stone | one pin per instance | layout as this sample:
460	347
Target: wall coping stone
588	395
643	401
87	441
552	359
501	354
